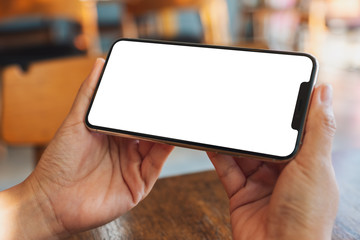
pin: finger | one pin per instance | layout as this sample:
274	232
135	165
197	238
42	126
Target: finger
86	91
258	186
145	147
320	127
153	162
230	174
247	165
130	163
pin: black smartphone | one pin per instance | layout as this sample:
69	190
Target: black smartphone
243	102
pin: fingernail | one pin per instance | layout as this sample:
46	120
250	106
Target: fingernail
326	94
98	61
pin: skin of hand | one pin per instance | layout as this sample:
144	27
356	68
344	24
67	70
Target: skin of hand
85	179
297	200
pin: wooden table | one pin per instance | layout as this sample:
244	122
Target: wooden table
347	169
184	207
195	206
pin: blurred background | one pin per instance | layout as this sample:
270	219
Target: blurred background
47	48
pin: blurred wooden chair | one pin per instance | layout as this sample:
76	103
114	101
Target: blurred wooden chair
81	11
213	14
34	103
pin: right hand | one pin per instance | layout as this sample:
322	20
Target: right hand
297	200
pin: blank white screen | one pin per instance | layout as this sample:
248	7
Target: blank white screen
229	98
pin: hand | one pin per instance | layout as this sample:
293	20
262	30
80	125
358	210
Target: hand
85	179
297	200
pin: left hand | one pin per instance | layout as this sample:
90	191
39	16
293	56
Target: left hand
85	179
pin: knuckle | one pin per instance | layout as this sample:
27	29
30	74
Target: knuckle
329	123
228	171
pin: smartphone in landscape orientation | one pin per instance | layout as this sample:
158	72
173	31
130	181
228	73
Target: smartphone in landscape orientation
242	102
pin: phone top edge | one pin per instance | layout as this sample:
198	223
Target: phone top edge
312	58
228	47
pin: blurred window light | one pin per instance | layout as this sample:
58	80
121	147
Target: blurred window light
344	8
281	4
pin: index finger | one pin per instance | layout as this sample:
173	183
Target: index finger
229	172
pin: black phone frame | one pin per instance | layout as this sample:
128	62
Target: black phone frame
306	97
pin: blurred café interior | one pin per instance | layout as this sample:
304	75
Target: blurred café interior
47	48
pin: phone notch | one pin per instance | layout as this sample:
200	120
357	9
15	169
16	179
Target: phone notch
300	107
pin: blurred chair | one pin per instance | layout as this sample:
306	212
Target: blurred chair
44	29
27	39
34	103
272	23
213	14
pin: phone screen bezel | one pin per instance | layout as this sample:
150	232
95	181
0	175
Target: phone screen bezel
201	146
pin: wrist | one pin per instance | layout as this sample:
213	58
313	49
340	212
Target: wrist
26	213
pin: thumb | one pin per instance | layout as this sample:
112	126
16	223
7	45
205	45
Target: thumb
86	91
320	127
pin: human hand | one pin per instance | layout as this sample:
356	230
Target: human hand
85	179
297	200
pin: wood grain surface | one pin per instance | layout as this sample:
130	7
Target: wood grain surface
195	206
347	170
191	206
